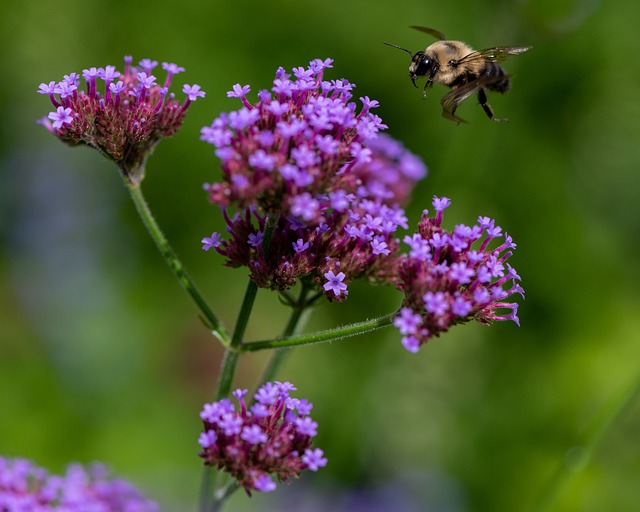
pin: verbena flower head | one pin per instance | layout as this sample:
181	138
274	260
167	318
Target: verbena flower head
122	115
27	487
301	138
306	155
271	438
451	277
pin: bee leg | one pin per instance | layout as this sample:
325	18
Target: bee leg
427	84
482	98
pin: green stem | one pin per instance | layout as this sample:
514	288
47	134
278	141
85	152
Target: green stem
321	336
579	457
300	308
208	500
227	373
207	488
296	321
231	356
175	264
224	495
244	315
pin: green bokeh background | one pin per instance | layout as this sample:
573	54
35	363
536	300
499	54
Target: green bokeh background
103	357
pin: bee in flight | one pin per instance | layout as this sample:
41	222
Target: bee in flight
465	70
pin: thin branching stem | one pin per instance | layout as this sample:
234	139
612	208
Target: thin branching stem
208	499
210	318
321	336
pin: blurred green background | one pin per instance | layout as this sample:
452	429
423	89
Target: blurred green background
103	357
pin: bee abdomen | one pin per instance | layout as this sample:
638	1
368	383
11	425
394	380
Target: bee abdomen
502	82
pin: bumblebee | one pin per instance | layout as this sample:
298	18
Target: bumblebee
465	70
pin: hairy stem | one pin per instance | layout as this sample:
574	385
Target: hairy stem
321	336
176	265
299	314
208	498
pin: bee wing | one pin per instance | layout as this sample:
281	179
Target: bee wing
496	54
451	100
431	31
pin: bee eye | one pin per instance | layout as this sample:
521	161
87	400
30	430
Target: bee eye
424	66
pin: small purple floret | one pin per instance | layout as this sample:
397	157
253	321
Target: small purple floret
334	282
314	459
61	117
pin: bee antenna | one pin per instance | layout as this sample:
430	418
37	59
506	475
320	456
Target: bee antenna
399	48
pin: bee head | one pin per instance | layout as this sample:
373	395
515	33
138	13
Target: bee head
422	65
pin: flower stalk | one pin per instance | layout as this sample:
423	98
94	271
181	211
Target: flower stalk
210	318
338	333
299	314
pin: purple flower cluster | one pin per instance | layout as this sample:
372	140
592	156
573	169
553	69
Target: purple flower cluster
453	277
126	121
305	156
271	438
25	487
